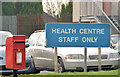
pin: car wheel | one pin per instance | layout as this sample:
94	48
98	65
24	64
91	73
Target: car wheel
33	66
60	65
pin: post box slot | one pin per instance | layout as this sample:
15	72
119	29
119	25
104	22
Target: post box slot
18	49
19	41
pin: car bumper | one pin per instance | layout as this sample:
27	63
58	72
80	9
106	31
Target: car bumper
9	71
91	64
27	70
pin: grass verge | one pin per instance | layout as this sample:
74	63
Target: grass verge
111	73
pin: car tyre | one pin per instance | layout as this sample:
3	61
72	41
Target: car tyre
34	70
60	65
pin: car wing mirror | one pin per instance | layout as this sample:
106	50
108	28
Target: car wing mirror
27	45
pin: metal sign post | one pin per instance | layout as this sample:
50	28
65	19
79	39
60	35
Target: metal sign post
85	59
99	59
56	61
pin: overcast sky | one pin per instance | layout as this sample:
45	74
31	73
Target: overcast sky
55	2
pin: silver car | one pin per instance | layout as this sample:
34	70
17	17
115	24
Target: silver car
3	69
69	58
114	39
117	47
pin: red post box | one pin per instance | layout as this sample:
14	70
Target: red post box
15	52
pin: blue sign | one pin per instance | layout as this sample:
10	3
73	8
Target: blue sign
77	35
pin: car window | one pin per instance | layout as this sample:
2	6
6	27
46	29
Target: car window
39	43
31	42
115	39
117	47
33	39
41	40
3	38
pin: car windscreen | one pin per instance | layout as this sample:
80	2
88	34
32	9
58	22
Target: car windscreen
115	39
41	40
3	38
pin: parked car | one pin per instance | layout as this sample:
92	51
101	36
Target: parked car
3	69
114	39
117	47
69	58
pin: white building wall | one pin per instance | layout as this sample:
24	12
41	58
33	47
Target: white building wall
84	8
76	11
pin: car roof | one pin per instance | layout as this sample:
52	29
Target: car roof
4	32
41	32
37	31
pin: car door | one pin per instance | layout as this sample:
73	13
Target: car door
47	54
35	51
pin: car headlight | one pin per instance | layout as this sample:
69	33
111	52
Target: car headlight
74	56
114	55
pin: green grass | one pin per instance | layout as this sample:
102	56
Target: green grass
111	73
